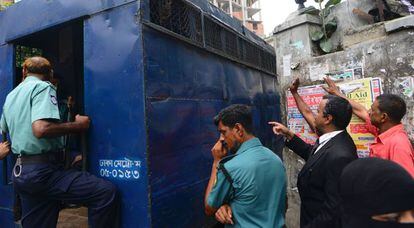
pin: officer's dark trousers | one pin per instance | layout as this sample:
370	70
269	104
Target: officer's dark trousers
44	186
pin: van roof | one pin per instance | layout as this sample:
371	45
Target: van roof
29	16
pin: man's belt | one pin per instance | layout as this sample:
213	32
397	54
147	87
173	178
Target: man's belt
49	157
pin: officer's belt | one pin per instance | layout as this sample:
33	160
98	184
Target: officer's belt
49	157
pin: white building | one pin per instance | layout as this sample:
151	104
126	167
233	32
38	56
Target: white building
246	11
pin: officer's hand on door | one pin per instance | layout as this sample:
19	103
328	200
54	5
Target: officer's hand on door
83	122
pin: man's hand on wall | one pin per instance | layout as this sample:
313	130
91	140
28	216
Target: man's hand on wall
294	86
331	87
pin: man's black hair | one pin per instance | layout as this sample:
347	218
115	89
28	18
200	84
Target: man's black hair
234	114
340	109
393	105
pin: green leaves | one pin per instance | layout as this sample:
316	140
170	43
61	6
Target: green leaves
332	3
328	7
317	35
330	27
326	45
327	28
324	13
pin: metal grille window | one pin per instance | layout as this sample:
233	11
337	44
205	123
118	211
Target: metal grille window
268	62
220	39
231	44
182	18
178	17
212	34
251	53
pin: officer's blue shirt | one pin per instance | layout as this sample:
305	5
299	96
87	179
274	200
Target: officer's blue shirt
259	180
32	100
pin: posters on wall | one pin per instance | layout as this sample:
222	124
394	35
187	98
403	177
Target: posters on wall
312	95
319	71
404	86
363	91
348	74
286	65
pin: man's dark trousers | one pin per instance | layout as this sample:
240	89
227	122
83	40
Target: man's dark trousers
43	187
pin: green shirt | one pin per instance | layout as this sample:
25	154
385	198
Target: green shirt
259	181
32	100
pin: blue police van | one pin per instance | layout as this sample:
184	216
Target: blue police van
151	74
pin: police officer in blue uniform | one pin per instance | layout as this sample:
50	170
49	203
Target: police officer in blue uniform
31	117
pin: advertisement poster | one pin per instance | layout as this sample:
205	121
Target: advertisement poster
363	91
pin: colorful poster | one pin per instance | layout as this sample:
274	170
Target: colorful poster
347	74
363	91
312	95
405	86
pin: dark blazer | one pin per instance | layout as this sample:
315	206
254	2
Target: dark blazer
318	180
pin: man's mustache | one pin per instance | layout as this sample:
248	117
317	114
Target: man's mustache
225	145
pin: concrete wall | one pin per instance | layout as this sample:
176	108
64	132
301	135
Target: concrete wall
382	50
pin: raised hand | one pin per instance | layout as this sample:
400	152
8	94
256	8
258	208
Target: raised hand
294	86
331	87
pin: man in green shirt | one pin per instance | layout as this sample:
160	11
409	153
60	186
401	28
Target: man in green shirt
31	117
248	187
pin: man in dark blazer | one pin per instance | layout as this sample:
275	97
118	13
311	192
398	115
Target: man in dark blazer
318	179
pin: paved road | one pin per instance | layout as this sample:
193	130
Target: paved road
73	218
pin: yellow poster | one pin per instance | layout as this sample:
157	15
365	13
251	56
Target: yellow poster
363	91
